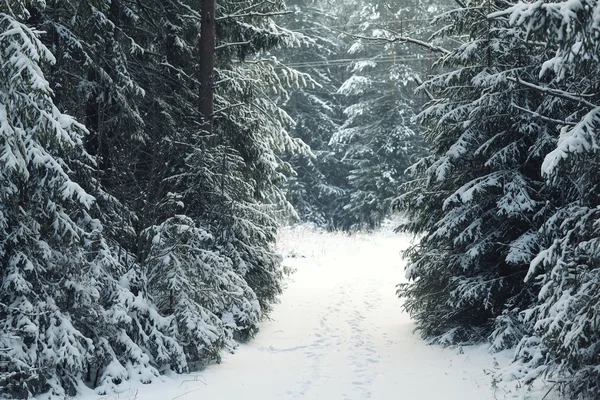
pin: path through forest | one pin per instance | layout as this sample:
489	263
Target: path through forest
339	333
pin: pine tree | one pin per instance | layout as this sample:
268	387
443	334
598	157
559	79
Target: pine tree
319	180
360	157
479	199
378	137
209	301
252	135
562	341
42	214
73	311
53	253
190	227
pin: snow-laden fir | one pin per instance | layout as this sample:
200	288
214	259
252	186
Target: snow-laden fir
507	203
131	243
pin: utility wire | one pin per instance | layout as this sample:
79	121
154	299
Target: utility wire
350	60
375	24
342	62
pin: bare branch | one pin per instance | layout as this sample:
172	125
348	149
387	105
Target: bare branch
553	92
543	117
405	39
253	14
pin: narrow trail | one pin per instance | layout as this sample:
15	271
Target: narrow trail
339	333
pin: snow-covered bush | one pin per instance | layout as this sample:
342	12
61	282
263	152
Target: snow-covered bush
190	280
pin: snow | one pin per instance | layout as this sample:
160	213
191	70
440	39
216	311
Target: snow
339	333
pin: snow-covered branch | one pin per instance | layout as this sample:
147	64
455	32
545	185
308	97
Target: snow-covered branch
419	81
404	39
553	92
222	46
253	14
543	117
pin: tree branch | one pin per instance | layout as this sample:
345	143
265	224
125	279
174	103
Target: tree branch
427	92
553	92
24	312
231	44
253	14
229	107
405	39
543	117
460	4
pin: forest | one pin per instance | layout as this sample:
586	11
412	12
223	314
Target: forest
150	150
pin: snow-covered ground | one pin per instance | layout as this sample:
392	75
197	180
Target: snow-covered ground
339	333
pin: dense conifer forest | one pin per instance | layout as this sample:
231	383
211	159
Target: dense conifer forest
150	150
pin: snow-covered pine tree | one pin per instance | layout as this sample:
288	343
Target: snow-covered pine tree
93	80
563	342
319	179
98	67
251	136
210	302
180	211
142	107
479	199
173	249
40	220
55	262
377	138
65	318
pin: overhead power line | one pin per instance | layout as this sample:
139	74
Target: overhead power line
348	60
341	62
391	23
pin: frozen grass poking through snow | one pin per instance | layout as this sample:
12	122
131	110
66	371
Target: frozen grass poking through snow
339	334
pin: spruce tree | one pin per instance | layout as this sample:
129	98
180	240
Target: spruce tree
362	135
65	320
251	136
479	199
167	252
377	138
319	179
42	220
562	342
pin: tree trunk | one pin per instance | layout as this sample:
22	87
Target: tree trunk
207	64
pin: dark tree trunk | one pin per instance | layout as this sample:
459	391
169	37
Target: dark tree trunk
207	63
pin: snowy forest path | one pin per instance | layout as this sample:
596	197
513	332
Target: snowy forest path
341	305
339	333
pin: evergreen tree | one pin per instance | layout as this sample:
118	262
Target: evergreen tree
252	134
377	137
362	135
377	141
62	311
320	179
479	198
562	340
208	300
168	214
38	220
